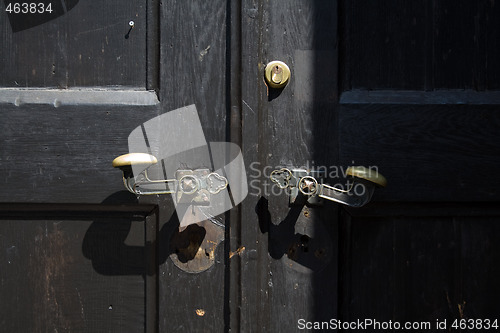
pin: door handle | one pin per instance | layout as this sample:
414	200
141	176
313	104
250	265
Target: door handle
193	186
357	192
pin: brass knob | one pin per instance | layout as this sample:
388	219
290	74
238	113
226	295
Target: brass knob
277	74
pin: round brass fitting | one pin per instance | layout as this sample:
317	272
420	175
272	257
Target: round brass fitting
277	74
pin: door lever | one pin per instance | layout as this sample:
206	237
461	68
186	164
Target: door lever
357	192
195	185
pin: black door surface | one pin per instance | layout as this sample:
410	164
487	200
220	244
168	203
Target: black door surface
409	88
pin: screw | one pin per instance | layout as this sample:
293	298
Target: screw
187	185
131	24
308	185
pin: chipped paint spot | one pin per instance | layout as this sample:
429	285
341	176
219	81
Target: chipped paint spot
204	52
239	251
50	264
200	312
461	308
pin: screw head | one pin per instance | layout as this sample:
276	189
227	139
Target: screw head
308	185
131	23
188	184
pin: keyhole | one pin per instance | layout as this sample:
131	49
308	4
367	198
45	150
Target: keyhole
277	76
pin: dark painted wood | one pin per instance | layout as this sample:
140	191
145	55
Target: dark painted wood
72	267
280	280
421	46
419	103
84	47
193	66
419	268
406	87
429	152
420	97
432	209
64	154
234	110
78	252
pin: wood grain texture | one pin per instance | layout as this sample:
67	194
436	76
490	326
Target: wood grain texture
66	272
84	47
404	268
421	46
64	154
193	61
412	93
419	102
192	71
427	153
83	258
286	128
79	96
438	97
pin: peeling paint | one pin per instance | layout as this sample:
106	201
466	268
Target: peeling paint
204	52
239	251
50	264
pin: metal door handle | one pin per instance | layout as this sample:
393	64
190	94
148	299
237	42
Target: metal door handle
357	192
194	186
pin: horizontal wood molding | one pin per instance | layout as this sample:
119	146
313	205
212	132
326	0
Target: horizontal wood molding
78	96
426	209
420	97
73	210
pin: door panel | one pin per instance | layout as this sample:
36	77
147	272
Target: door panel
75	267
418	102
78	252
85	47
52	154
416	45
419	262
431	152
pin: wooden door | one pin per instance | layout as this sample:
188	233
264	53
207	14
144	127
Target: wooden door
410	88
77	250
419	98
407	87
79	253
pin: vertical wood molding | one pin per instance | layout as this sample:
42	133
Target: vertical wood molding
234	112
